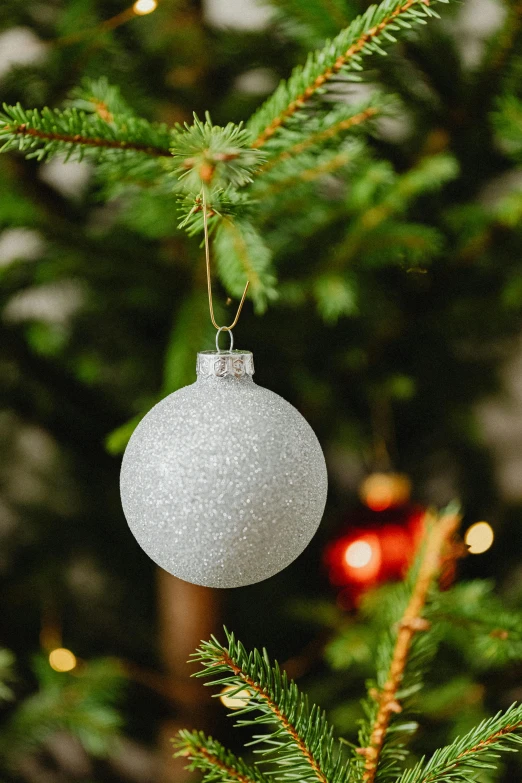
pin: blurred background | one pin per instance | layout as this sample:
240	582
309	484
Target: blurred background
397	333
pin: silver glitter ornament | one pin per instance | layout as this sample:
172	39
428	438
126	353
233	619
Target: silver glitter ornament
223	483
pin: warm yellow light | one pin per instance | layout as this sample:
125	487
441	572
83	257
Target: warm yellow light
479	537
142	7
62	660
235	701
358	554
379	491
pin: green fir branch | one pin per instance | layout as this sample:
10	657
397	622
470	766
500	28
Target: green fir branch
374	208
302	171
336	296
220	203
207	154
478	622
74	133
477	750
300	742
82	703
215	762
97	96
342	56
241	255
322	129
408	644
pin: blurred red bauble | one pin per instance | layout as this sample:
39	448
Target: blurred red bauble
380	541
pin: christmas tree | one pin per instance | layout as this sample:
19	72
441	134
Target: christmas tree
371	203
300	743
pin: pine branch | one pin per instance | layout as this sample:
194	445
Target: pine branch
222	203
48	132
216	762
99	97
476	750
280	716
305	169
302	741
411	623
62	138
83	704
336	295
478	622
210	155
343	55
330	130
241	255
398	191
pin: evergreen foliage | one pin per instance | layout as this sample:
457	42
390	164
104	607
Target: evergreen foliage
298	743
301	741
476	751
398	242
340	58
73	132
215	761
83	703
226	161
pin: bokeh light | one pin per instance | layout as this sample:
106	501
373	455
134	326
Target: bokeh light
358	554
62	660
479	537
143	7
235	701
361	559
380	491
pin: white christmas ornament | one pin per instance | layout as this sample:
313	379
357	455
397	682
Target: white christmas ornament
223	483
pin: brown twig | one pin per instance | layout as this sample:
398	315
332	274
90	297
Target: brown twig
324	135
341	61
289	728
23	130
411	623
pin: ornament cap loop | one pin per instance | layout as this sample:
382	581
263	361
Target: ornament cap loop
225	364
225	329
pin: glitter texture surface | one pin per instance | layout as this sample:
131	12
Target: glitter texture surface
223	483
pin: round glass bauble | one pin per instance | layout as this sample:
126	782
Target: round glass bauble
223	483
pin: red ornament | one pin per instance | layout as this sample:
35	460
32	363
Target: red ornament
377	547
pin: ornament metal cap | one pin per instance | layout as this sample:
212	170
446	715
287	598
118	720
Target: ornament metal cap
225	364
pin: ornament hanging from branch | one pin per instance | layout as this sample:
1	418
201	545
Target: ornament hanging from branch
223	483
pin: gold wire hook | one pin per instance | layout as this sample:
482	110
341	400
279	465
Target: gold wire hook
209	280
